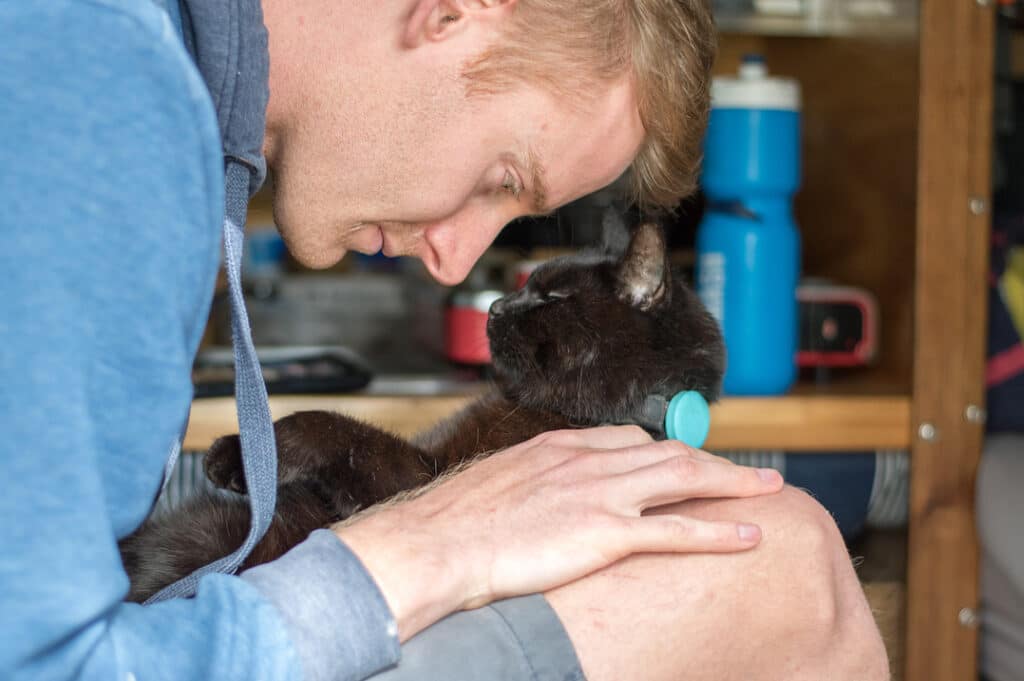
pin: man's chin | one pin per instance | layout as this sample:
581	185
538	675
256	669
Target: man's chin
315	258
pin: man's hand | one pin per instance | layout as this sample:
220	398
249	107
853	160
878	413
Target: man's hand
542	514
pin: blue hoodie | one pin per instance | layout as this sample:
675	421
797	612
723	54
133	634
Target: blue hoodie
112	185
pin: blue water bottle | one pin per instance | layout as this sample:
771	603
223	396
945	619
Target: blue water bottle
748	246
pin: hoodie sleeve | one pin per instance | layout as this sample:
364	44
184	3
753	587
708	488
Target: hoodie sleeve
313	584
112	199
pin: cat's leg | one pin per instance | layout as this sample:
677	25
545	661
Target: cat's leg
485	426
791	609
332	450
222	464
306	443
206	527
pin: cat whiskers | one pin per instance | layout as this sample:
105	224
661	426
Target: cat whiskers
579	392
427	465
510	413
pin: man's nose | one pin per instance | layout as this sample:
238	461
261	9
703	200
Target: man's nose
457	245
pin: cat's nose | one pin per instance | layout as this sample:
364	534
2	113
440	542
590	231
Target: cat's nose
499	307
523	299
509	302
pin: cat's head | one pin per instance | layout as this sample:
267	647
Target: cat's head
591	336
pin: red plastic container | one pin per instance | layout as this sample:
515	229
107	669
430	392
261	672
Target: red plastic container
465	326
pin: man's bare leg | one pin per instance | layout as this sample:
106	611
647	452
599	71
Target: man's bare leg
791	609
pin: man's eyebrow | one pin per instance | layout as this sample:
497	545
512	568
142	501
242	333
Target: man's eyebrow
537	187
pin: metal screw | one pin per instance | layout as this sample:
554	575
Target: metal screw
977	205
927	432
984	3
975	414
968	617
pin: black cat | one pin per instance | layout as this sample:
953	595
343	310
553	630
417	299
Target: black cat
588	341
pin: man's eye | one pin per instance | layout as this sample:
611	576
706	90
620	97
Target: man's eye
510	185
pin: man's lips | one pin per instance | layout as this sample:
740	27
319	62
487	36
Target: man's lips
372	238
399	239
388	248
368	240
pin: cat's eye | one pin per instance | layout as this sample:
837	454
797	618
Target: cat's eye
555	295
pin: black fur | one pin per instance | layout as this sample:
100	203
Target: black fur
583	343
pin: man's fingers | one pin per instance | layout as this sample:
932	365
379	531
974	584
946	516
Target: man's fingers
701	454
602	437
685	477
680	534
619	438
626	459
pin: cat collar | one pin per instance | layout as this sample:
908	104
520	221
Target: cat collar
685	417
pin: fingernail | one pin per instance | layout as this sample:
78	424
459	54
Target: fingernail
749	533
768	474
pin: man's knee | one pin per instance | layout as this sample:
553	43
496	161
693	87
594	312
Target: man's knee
807	599
826	608
801	557
791	608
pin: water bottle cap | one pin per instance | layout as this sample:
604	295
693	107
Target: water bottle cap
752	67
688	418
753	88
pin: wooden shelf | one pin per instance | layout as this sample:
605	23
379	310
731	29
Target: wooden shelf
811	423
212	417
898	26
808	422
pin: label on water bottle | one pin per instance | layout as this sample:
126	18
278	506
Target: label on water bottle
711	283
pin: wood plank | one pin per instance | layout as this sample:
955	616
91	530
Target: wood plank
212	417
797	422
949	322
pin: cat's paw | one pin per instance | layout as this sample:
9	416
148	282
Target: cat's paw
223	464
306	441
312	445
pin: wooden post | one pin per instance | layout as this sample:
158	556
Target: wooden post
953	227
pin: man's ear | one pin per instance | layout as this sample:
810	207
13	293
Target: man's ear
436	20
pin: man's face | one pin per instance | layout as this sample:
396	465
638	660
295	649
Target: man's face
436	175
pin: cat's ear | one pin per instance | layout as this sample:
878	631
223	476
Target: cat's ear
643	273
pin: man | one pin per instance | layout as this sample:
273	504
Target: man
419	127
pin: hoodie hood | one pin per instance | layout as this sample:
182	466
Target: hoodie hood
228	41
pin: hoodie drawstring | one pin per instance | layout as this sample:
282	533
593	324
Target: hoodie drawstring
259	453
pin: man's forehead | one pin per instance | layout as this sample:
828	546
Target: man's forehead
588	149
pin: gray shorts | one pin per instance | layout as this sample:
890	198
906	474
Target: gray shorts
1000	507
519	639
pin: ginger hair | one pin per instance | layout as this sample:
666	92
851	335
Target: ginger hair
573	47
